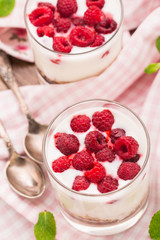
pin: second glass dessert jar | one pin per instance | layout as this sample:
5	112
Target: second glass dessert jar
103	213
82	63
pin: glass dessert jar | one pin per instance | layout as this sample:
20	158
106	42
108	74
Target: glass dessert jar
94	209
81	62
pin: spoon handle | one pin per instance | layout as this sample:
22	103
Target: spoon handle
6	138
8	78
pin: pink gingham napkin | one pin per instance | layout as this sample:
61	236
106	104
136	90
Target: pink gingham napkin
125	82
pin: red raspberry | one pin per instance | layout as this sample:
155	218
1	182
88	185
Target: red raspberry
128	170
105	155
117	133
126	147
45	30
106	26
61	44
97	3
133	159
47	4
103	120
41	16
66	143
83	161
108	184
80	123
81	36
62	24
95	141
96	174
67	7
77	21
61	164
80	183
93	15
105	53
99	40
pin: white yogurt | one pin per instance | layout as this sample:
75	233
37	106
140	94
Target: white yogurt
81	62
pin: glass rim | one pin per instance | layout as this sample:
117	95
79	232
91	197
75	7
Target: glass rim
100	194
73	54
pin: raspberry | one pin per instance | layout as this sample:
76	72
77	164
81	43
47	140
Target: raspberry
103	120
62	24
83	161
126	147
66	143
97	3
45	30
61	44
108	184
61	164
105	155
105	53
47	4
133	159
99	40
106	26
95	141
93	15
128	170
77	21
41	16
81	36
96	174
67	7
80	183
80	123
117	133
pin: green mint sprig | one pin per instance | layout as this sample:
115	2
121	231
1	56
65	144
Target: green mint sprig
154	227
45	228
158	44
154	67
6	7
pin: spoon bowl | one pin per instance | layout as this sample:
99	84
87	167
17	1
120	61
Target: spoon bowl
24	176
33	141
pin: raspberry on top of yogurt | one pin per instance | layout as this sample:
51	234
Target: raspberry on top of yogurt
95	153
62	21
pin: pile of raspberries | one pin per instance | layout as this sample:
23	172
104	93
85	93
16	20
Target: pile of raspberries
98	148
61	23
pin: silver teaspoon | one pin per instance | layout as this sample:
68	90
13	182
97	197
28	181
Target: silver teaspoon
34	137
25	177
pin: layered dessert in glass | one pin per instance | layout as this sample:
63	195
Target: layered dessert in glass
73	39
96	154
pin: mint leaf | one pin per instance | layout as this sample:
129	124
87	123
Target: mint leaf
6	7
154	227
153	67
45	228
158	43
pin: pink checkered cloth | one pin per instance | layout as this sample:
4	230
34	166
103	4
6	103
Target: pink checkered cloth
125	82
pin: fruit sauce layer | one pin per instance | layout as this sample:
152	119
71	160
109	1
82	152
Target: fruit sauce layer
96	151
73	26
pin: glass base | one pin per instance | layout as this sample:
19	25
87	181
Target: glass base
110	228
41	78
